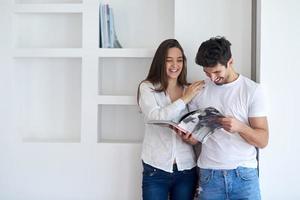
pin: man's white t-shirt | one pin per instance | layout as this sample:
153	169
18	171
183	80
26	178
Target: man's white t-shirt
240	99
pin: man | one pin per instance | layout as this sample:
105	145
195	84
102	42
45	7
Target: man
228	165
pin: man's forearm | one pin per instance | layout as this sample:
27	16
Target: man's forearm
255	136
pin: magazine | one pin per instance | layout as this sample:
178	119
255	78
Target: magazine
200	123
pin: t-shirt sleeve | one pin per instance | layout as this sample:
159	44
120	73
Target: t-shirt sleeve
258	106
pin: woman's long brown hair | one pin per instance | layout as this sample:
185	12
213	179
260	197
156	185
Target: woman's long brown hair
157	74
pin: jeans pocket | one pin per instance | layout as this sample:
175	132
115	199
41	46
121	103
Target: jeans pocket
247	174
149	170
205	176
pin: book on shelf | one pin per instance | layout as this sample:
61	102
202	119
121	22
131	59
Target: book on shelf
200	123
107	33
114	42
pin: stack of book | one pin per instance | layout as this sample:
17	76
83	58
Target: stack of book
107	32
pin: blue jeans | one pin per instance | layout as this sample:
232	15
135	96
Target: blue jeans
162	185
240	183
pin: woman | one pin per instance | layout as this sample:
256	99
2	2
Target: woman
168	162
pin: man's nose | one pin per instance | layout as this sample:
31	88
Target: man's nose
212	76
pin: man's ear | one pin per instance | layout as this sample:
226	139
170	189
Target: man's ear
230	62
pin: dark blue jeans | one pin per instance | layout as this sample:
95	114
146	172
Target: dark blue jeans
161	185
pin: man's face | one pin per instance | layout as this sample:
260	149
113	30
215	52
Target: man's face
219	74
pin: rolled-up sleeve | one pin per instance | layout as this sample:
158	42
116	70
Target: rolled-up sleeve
151	107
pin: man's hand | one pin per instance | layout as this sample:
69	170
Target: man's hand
231	124
257	133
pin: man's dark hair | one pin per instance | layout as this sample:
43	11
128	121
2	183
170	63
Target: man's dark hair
214	51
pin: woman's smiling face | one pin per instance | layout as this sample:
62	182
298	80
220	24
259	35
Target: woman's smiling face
174	63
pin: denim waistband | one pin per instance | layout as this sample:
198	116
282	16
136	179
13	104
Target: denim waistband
222	172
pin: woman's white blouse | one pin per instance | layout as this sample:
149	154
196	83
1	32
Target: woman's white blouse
161	145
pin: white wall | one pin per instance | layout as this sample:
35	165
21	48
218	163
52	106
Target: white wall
199	20
6	72
279	72
5	81
6	135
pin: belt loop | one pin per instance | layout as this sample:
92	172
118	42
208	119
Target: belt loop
175	168
237	172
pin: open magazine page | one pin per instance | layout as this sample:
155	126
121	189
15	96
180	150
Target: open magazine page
201	123
166	123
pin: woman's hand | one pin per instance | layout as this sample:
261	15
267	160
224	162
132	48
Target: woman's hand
188	138
191	91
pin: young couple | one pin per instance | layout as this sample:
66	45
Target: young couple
227	163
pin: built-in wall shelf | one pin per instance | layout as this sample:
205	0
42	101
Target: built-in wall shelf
79	52
120	141
57	140
47	52
48	99
76	91
120	124
126	52
48	8
116	100
47	30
